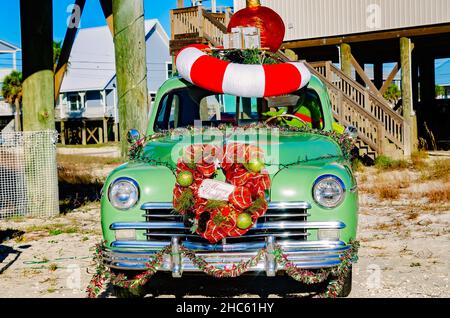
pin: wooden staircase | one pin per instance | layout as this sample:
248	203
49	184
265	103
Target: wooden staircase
196	25
380	129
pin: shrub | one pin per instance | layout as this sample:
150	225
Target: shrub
439	170
385	162
357	165
437	196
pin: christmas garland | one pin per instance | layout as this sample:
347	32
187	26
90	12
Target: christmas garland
246	56
338	273
230	208
136	151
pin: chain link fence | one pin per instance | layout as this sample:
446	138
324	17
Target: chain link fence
28	174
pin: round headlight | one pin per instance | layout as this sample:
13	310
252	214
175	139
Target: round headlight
123	193
328	191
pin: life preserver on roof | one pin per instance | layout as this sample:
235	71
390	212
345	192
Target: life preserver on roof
244	80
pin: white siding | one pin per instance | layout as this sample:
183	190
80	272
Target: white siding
306	19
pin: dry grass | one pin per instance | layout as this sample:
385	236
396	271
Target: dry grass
439	170
387	193
54	229
77	160
78	183
438	195
73	175
388	226
418	160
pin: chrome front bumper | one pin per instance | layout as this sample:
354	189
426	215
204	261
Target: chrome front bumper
306	254
284	224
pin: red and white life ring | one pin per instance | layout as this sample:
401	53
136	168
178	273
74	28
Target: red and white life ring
220	76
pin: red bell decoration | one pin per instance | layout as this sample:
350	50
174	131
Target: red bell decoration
268	21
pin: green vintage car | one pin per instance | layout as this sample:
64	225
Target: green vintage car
313	199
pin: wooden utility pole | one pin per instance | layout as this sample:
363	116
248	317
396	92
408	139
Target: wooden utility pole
37	54
407	99
131	67
38	105
346	59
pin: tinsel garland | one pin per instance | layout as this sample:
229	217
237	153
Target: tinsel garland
339	272
136	151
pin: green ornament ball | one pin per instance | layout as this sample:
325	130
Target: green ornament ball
244	221
255	165
185	178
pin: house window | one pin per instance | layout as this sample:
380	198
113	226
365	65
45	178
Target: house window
74	102
169	69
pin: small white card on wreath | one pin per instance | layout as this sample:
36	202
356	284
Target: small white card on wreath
215	190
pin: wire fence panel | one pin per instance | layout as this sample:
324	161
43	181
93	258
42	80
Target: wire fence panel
28	174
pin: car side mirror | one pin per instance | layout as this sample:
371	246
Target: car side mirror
352	132
133	136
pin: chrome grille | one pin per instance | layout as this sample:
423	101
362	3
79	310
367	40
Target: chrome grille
284	221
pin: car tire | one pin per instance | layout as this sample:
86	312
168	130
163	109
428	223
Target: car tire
347	287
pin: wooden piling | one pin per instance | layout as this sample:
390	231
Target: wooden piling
37	66
130	52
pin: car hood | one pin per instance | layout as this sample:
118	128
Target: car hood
285	149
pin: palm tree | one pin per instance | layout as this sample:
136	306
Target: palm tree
56	52
392	94
12	93
440	91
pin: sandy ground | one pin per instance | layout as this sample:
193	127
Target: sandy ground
405	247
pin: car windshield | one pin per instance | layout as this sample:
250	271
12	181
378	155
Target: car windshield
182	108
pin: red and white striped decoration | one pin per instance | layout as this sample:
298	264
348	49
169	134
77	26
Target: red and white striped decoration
224	77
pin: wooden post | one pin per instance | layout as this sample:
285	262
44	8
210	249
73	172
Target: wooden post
100	135
105	129
83	132
37	55
380	138
346	59
328	74
63	132
116	131
407	100
340	107
172	25
200	21
130	52
227	16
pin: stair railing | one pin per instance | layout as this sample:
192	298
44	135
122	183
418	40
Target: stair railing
198	22
391	123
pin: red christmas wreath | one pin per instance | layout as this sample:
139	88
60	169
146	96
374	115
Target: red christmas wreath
243	167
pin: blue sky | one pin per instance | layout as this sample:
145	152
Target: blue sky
92	16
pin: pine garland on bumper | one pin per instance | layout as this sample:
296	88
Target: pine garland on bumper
103	274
